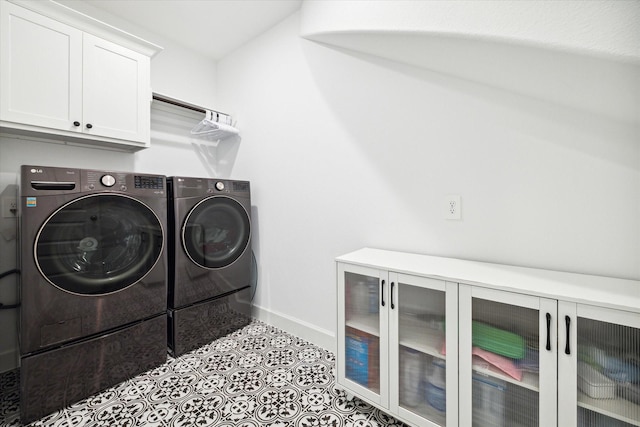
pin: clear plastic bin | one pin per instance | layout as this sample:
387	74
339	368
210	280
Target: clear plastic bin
488	401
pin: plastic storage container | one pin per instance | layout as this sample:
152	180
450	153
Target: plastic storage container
357	359
436	392
372	290
488	401
587	418
630	392
411	371
594	384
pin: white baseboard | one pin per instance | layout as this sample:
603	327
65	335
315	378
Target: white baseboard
8	360
318	336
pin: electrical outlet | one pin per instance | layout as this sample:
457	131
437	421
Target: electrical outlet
9	207
452	207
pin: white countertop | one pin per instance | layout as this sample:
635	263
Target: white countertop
620	294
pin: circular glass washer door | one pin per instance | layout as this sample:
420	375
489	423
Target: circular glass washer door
99	244
216	232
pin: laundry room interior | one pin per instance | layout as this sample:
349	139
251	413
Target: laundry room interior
359	122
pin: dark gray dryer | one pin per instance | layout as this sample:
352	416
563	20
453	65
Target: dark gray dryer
209	260
93	282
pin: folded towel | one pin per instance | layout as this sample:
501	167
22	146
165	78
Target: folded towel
504	364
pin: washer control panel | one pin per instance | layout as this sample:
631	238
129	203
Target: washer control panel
93	180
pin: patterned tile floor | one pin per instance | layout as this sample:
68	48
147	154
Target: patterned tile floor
257	376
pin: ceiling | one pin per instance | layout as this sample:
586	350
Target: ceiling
209	27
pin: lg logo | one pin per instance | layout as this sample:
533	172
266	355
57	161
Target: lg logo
36	170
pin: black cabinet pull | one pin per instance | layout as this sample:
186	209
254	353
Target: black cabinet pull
548	332
392	305
89	125
567	321
382	294
76	123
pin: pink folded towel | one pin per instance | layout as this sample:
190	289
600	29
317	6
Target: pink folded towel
504	364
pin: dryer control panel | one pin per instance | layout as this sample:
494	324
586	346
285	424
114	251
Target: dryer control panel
151	182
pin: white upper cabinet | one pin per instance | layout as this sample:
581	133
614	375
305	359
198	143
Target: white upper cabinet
62	82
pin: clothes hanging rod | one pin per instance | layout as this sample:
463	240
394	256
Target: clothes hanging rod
183	104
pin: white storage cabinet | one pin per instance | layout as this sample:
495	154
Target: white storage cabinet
394	343
532	347
66	83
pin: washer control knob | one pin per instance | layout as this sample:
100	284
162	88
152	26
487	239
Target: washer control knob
220	185
108	180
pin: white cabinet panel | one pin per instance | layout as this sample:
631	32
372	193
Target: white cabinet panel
41	70
362	332
599	366
115	91
507	359
422	336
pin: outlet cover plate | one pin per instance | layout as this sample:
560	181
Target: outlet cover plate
452	207
9	207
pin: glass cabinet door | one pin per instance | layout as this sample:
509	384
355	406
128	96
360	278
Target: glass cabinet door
362	331
423	378
602	351
509	343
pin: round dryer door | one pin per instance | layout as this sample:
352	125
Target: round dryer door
99	244
216	232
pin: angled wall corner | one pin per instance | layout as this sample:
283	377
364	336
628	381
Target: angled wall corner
581	55
596	27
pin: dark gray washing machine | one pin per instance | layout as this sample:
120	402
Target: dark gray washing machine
209	260
93	282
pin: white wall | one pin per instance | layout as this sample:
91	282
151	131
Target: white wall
346	150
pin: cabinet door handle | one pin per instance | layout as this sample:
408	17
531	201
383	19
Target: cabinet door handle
548	332
392	305
567	321
382	294
76	123
89	125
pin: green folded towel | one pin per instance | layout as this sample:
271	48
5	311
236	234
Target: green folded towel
498	341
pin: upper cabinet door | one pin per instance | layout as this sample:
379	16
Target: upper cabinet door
115	91
41	70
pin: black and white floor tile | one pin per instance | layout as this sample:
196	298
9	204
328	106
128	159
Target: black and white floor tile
256	376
